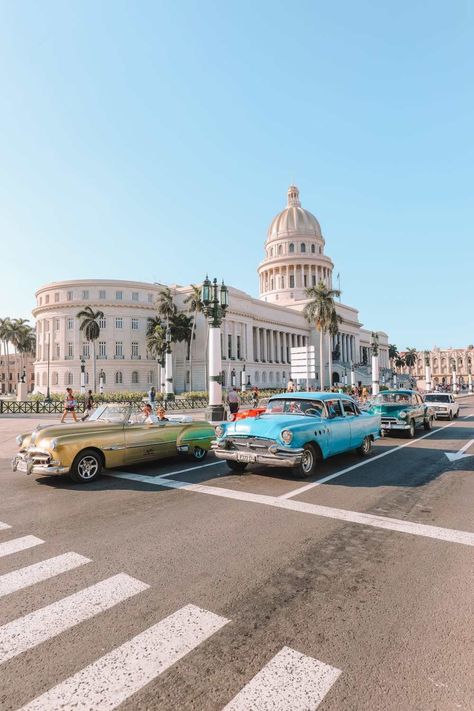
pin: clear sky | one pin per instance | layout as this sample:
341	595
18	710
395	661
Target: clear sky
156	140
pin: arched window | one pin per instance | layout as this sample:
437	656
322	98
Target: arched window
280	249
313	248
104	378
68	378
257	377
277	377
270	377
134	377
291	248
118	377
86	378
303	247
55	378
264	378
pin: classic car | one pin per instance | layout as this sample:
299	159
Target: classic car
251	411
297	430
443	405
114	436
402	410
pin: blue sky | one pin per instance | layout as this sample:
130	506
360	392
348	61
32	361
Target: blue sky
156	140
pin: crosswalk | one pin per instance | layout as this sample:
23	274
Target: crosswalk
290	681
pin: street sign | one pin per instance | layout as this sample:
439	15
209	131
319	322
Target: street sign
303	363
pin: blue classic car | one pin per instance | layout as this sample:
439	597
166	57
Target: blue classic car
297	430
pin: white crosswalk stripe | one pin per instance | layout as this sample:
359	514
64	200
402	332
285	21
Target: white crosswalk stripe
32	574
43	624
116	676
3	526
289	682
18	544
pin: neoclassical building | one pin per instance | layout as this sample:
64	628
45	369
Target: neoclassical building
257	333
443	362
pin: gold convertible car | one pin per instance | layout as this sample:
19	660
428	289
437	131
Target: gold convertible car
114	436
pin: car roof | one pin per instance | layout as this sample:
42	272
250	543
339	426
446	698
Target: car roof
436	394
406	392
312	395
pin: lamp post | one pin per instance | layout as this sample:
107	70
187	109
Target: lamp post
469	375
427	371
215	300
168	364
48	392
83	376
375	363
353	375
453	377
244	378
101	381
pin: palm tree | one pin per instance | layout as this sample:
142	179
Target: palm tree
399	362
333	330
318	311
91	328
410	359
165	305
392	352
6	331
193	300
156	342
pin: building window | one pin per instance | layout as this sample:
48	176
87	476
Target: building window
58	350
103	376
134	324
86	378
150	378
102	349
102	294
282	282
56	324
85	294
134	349
229	346
102	323
70	350
239	354
320	251
305	280
70	296
134	377
46	300
313	280
134	295
118	377
313	248
119	295
46	326
291	248
56	298
118	349
40	300
119	322
85	350
69	379
70	324
292	281
303	247
280	249
150	298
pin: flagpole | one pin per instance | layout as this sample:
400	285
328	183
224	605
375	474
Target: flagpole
339	284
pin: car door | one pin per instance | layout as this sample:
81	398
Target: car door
419	408
338	426
357	425
142	441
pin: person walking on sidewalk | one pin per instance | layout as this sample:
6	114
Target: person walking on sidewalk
88	406
69	405
233	400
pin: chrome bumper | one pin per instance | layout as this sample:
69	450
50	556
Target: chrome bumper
394	426
278	458
40	469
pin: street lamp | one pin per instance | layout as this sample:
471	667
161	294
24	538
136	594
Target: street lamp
453	376
168	364
83	375
375	363
48	392
427	371
244	378
469	374
215	301
101	381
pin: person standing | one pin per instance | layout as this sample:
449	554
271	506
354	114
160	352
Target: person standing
152	395
233	400
291	386
88	406
255	396
69	405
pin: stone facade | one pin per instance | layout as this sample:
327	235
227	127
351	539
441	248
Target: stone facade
10	375
441	361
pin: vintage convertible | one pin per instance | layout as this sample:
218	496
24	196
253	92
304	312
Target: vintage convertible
297	430
114	436
402	410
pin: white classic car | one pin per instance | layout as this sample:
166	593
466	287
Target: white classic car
443	405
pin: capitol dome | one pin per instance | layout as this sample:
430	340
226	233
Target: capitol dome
294	220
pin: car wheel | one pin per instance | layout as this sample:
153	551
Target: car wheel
450	417
86	467
410	433
198	453
456	414
365	447
308	464
428	424
236	467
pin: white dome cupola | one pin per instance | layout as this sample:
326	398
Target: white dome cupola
294	254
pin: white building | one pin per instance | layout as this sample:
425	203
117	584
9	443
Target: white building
257	333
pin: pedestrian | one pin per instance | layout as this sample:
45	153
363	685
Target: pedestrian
255	396
233	400
69	405
365	394
290	388
88	406
152	395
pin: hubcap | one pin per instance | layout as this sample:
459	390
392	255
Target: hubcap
88	467
199	453
366	444
307	462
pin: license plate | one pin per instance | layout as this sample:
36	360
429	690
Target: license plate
244	457
22	466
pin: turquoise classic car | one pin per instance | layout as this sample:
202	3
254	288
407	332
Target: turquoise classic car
402	410
297	430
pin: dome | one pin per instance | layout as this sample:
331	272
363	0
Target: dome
294	220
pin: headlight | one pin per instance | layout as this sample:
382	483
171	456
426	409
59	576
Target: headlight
402	415
286	436
19	440
219	430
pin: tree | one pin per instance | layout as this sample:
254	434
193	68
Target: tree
399	362
164	304
91	328
410	358
392	352
196	307
156	342
5	336
333	330
318	312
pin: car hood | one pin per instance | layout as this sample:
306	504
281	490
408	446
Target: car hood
270	425
389	409
79	429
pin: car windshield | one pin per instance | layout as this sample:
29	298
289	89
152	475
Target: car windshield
437	398
392	399
295	406
111	413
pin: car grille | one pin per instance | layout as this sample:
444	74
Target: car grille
38	457
246	444
388	420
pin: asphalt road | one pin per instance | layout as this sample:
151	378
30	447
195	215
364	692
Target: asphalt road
177	586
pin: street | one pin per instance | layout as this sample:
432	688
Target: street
180	585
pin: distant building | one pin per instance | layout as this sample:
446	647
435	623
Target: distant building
257	332
11	374
441	362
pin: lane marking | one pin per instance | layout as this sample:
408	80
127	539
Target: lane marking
366	519
3	526
289	681
30	630
151	478
113	678
307	487
18	544
455	456
32	574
